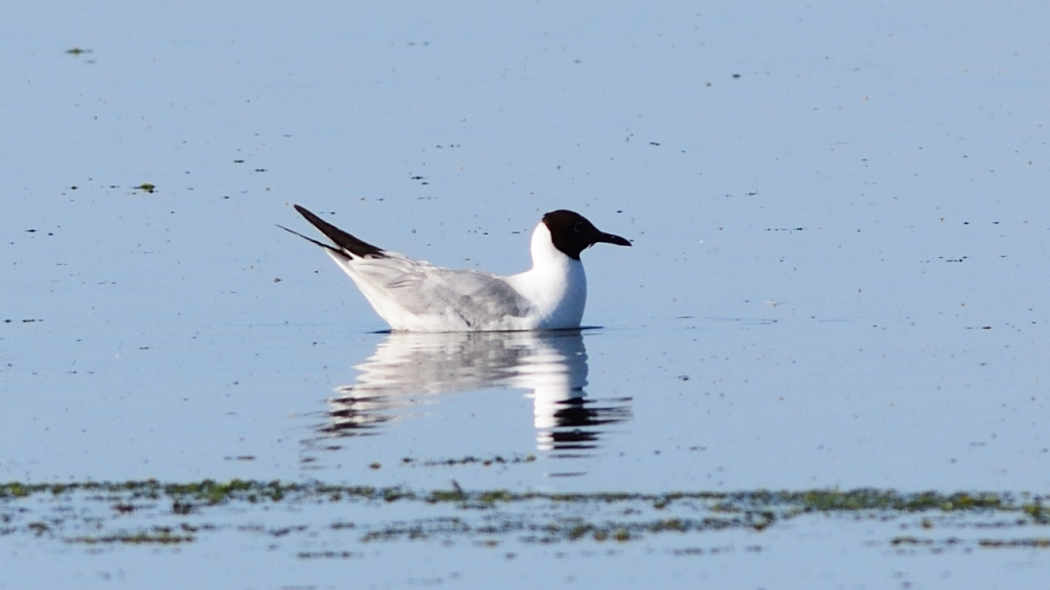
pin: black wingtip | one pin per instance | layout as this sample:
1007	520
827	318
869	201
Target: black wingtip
346	242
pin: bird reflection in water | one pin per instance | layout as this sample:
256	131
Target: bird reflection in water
410	368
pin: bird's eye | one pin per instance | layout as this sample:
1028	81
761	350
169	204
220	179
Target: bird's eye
577	227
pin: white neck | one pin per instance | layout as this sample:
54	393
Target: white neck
556	284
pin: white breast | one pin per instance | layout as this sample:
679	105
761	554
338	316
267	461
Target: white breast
556	285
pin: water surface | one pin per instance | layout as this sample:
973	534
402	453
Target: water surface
840	233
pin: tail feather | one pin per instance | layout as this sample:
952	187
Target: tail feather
347	244
328	247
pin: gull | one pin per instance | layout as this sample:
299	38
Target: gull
417	296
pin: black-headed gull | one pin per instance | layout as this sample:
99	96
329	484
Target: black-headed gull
414	295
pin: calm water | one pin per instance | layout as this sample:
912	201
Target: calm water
840	222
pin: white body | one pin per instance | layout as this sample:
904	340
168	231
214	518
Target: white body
418	296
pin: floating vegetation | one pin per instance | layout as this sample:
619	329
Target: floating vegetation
147	187
154	513
471	460
158	536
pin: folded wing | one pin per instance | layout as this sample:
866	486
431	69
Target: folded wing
473	298
403	290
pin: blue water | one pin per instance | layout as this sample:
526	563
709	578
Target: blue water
839	220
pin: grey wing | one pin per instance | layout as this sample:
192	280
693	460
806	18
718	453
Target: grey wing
421	288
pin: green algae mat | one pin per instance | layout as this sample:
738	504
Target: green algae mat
155	513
